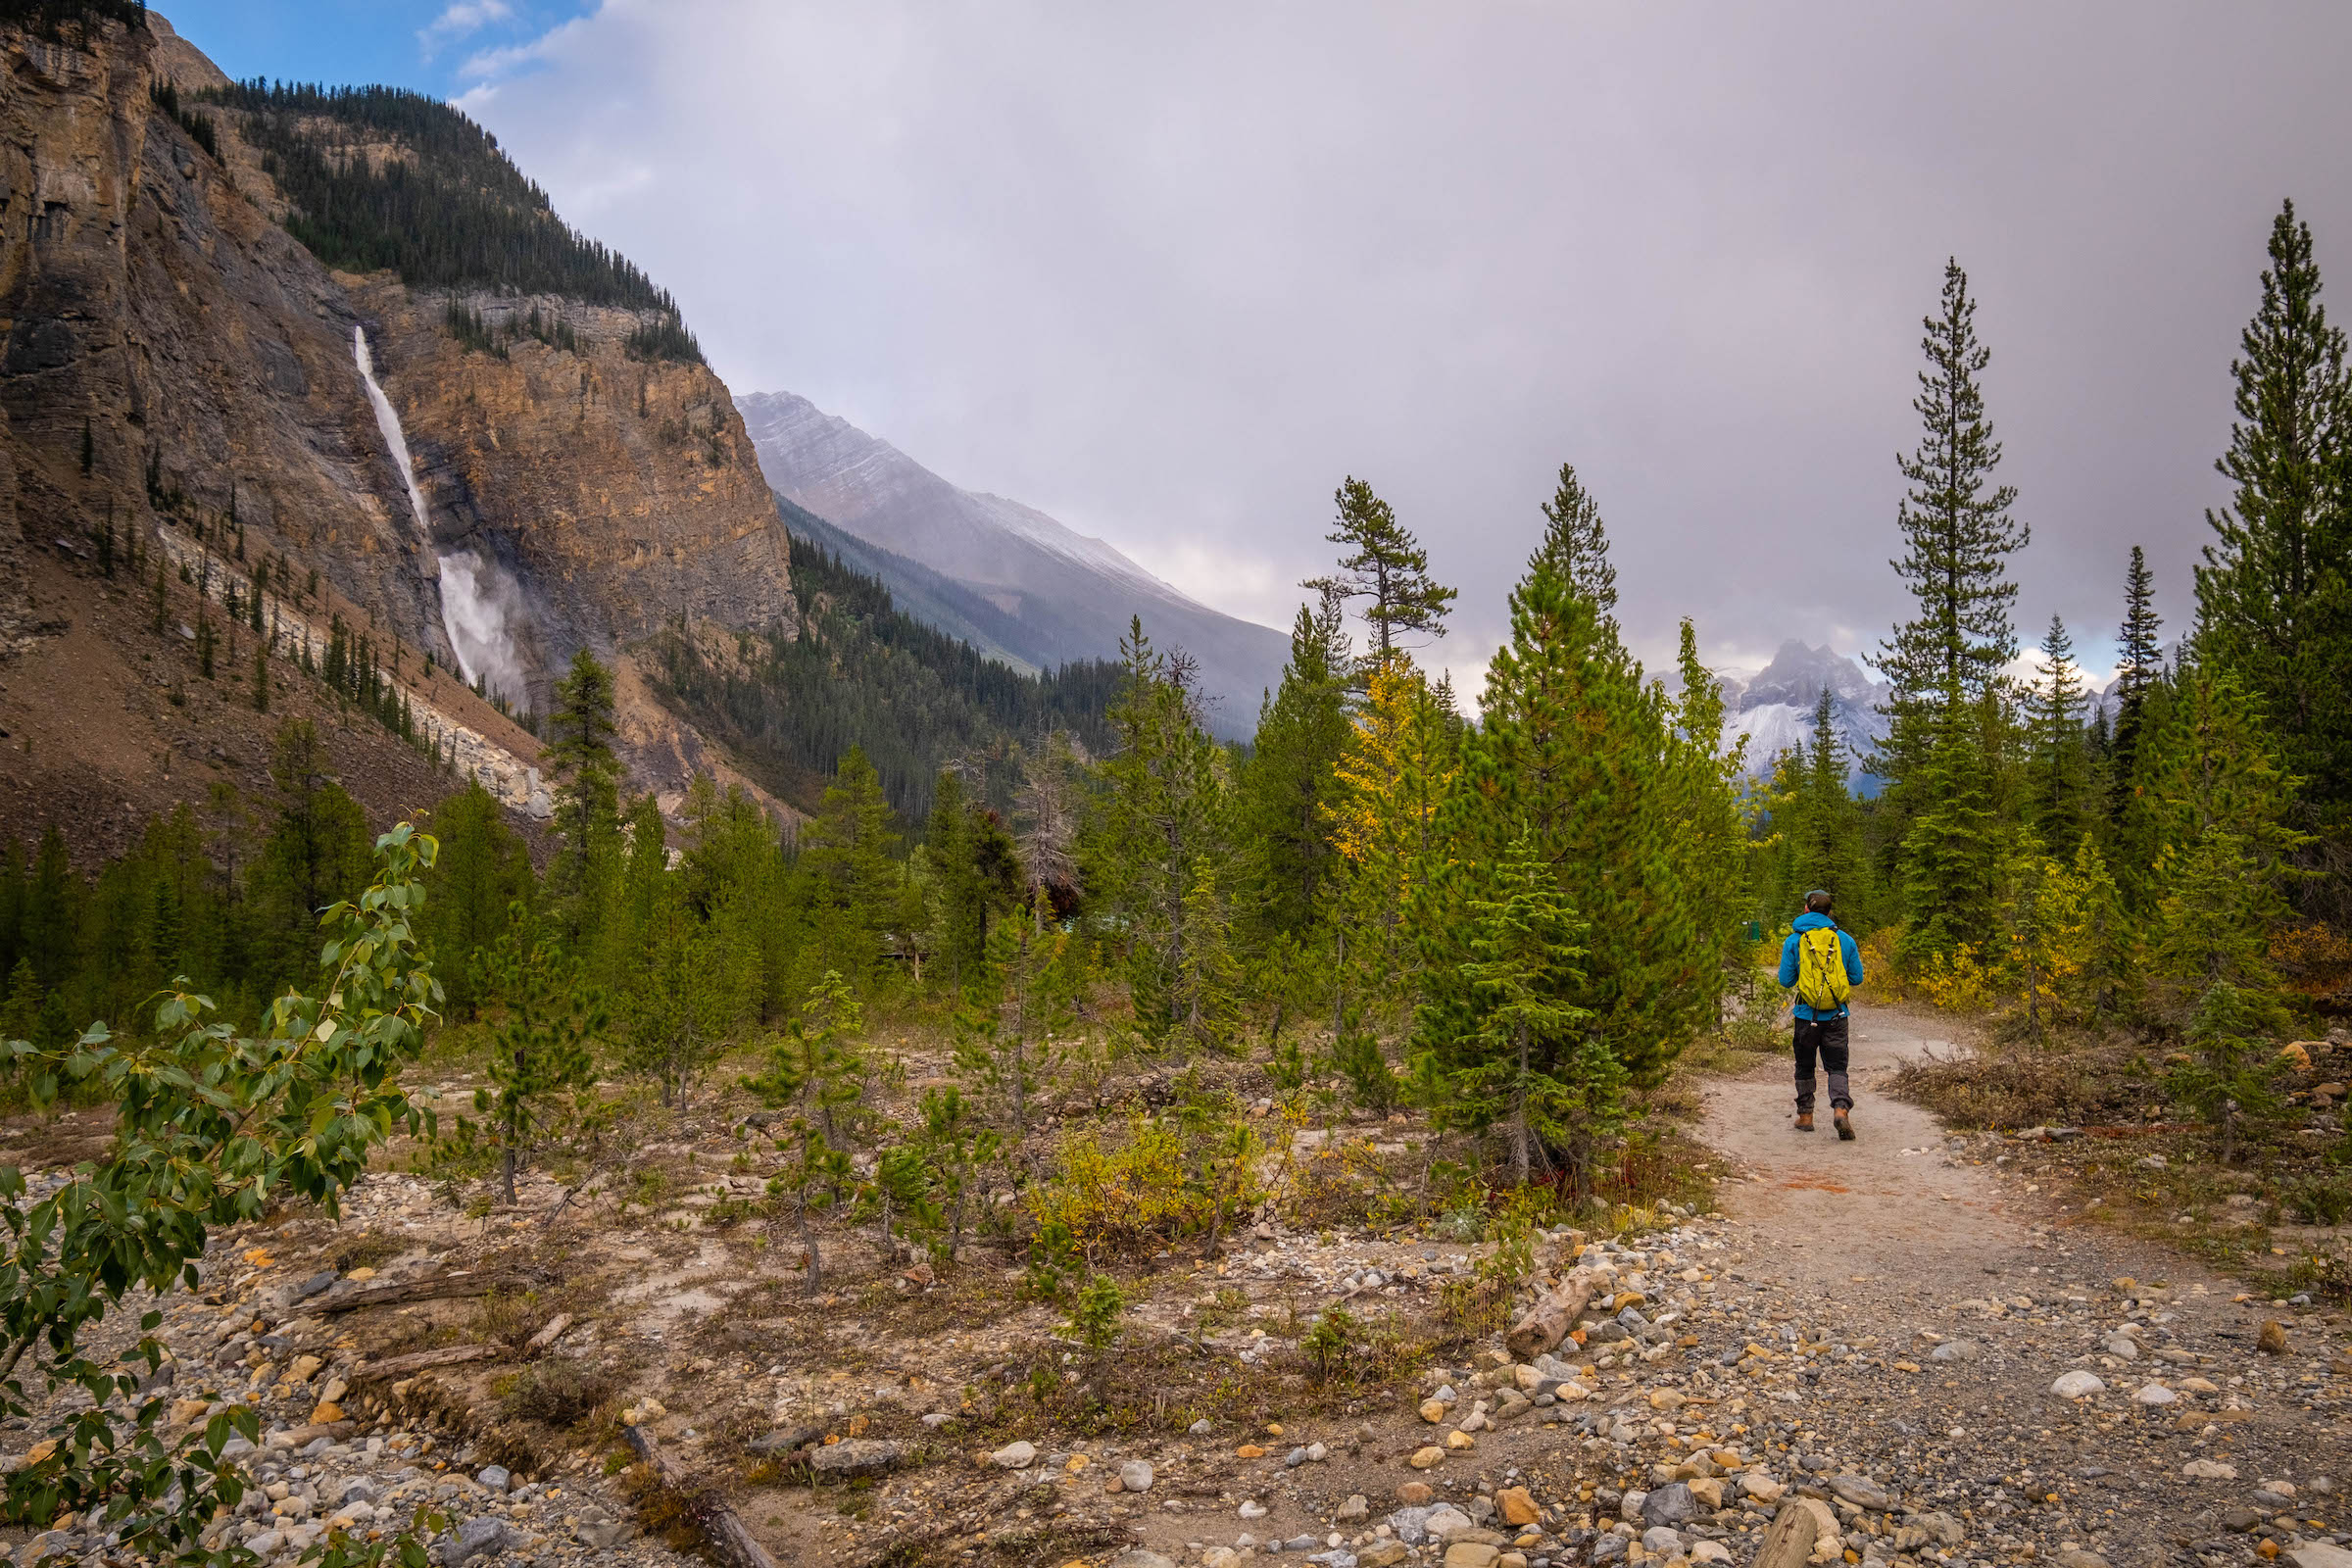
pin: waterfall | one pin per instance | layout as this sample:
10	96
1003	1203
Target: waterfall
475	595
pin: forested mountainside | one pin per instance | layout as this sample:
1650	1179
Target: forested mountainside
860	672
1057	595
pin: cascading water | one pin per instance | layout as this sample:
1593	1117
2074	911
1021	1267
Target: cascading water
473	597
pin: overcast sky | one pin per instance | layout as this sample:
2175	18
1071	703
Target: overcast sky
1171	272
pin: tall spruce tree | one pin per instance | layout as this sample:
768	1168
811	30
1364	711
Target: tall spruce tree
2058	782
2275	592
1952	850
1577	541
1577	752
1163	817
1958	536
1283	799
587	775
2138	666
1387	565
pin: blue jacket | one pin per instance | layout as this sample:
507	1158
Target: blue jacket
1809	921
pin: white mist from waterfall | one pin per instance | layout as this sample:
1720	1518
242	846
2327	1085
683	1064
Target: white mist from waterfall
473	595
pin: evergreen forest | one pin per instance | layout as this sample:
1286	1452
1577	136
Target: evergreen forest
447	210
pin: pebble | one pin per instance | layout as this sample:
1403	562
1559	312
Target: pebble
1136	1475
1014	1456
2078	1385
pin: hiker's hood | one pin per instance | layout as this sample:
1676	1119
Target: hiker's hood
1809	921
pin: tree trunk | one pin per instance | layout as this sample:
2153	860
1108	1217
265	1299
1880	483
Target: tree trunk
1547	1322
1519	1128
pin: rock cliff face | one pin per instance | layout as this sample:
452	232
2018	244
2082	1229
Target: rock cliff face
177	365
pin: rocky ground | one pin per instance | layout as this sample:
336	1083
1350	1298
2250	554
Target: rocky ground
1947	1363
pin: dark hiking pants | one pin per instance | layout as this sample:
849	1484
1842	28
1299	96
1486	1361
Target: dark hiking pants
1825	1038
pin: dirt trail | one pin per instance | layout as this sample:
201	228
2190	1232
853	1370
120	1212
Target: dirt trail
1888	1204
1911	1238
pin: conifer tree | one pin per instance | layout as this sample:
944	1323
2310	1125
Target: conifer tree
541	1045
587	774
2059	786
1048	813
1518	1054
1284	798
1958	536
2275	592
1163	813
1392	781
960	1147
1385	564
1577	752
2219	810
1951	851
481	879
1578	543
261	677
815	1074
690	982
2138	667
1713	842
850	873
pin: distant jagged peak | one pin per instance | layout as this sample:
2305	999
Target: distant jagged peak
1797	675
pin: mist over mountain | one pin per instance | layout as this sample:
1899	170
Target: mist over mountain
1057	595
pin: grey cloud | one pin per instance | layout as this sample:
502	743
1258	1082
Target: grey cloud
1170	272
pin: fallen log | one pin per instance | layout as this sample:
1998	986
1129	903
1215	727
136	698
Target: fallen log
730	1541
401	1366
432	1288
548	1334
1549	1321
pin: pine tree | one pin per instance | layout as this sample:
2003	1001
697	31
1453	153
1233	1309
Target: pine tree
2219	810
815	1075
540	1047
1519	1053
1390	784
2275	592
261	677
850	872
1958	537
2059	787
2230	1073
1951	852
1578	752
480	878
1578	543
89	448
587	796
2139	665
961	1148
1283	799
1163	813
1386	565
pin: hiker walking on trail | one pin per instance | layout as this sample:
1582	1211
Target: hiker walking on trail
1823	965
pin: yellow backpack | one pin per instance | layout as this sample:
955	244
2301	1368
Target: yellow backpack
1821	982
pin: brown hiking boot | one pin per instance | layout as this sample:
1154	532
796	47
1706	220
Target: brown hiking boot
1804	1121
1845	1127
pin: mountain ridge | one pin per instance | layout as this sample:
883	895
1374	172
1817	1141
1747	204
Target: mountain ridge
1066	596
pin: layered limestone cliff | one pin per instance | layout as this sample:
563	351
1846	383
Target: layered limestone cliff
176	364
